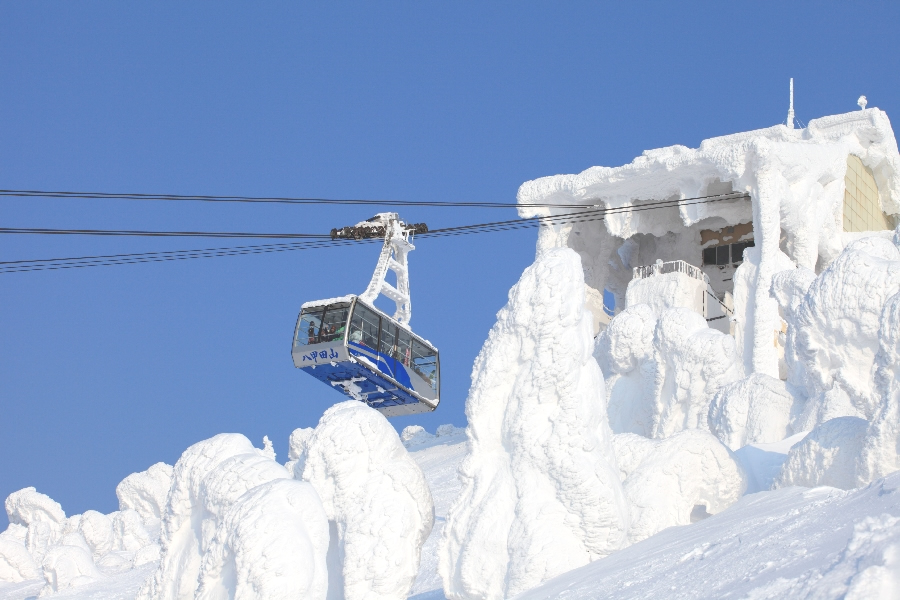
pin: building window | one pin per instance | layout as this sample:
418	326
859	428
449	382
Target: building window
726	254
862	207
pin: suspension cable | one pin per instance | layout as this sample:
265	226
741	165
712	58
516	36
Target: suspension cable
278	199
320	241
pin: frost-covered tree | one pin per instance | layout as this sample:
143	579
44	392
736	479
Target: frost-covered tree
540	491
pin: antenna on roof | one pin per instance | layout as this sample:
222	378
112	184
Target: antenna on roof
862	102
790	119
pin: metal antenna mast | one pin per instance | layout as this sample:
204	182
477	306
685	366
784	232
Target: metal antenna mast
790	119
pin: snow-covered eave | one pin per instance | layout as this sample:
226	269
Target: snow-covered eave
677	172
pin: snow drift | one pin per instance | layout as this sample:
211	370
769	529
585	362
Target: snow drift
667	482
540	493
791	543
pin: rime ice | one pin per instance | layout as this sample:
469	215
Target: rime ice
540	492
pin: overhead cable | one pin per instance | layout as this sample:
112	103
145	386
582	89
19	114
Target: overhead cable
142	233
278	199
316	242
497	225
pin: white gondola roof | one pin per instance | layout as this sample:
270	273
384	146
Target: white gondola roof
327	301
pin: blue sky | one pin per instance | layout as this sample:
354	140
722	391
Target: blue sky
104	371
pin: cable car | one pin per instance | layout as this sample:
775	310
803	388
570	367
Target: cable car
359	350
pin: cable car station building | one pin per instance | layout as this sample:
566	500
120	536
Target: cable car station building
749	205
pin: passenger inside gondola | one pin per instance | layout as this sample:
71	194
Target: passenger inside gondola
364	327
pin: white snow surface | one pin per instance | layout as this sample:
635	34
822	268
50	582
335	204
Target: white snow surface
270	544
540	491
146	492
667	480
790	543
664	369
376	498
755	410
793	542
208	478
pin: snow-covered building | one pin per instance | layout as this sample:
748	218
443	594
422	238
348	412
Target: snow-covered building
734	212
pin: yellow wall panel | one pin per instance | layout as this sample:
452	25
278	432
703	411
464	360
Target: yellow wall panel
862	208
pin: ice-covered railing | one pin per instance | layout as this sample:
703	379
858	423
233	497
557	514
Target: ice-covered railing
673	266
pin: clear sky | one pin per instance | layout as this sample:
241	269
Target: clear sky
105	371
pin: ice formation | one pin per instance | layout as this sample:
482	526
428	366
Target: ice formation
625	353
207	479
38	517
881	451
837	328
97	530
667	482
663	372
376	500
789	289
146	492
28	506
540	492
16	562
827	456
296	450
129	532
270	545
69	552
695	362
67	567
665	291
753	410
845	331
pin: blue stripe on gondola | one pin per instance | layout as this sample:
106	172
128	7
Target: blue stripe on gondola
383	362
370	382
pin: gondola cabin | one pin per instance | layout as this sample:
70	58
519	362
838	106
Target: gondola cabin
367	355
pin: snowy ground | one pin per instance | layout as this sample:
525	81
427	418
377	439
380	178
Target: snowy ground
120	586
793	542
439	461
789	543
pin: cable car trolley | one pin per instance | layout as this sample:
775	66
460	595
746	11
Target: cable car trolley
359	350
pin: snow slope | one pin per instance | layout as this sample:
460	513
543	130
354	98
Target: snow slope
791	543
